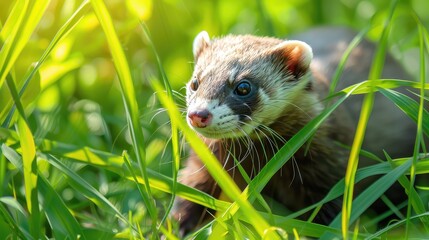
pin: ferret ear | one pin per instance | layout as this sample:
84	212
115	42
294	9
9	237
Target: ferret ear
201	41
295	55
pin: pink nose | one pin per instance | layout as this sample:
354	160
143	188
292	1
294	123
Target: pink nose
200	118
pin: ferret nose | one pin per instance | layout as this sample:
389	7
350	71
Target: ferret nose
200	118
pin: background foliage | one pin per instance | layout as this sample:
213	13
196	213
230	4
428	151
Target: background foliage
73	101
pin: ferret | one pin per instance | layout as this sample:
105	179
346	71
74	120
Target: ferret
249	95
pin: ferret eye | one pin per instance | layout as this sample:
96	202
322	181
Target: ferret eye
194	84
243	88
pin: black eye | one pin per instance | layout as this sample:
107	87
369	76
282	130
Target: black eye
194	84
243	88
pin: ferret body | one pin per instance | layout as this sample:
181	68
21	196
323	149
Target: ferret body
249	95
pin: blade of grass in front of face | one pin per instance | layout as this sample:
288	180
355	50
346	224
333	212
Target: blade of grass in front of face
131	106
17	30
213	166
375	73
29	166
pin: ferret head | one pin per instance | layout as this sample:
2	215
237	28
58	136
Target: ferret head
244	82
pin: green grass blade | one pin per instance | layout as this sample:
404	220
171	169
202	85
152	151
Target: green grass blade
305	228
17	31
353	162
397	224
342	63
413	196
3	169
338	189
409	107
366	86
85	188
419	133
29	166
213	166
13	222
373	192
62	222
13	92
8	35
60	35
164	183
130	102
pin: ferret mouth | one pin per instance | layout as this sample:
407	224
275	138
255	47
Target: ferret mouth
224	133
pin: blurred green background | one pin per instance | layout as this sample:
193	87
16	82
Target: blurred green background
76	98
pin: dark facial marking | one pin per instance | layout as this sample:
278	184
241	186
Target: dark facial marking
243	99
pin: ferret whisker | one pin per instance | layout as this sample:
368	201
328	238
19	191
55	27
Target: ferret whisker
295	171
253	150
157	112
286	103
246	142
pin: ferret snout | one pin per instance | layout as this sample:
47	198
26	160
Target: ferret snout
200	118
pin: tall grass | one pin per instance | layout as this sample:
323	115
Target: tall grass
62	187
367	104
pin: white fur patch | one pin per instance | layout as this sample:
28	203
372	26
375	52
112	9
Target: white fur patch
233	75
272	107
